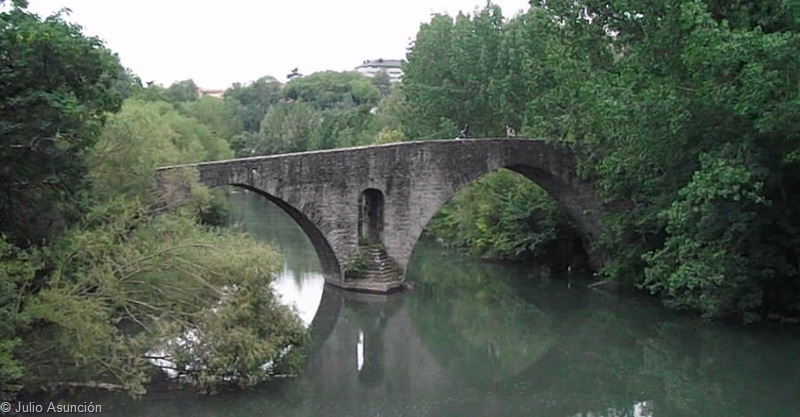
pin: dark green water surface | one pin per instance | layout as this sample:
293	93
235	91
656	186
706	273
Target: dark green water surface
482	339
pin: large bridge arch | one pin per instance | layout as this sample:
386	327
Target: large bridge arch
324	190
584	214
329	265
550	165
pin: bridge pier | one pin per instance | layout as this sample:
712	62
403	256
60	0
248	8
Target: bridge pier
365	208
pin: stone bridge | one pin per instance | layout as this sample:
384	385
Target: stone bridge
364	208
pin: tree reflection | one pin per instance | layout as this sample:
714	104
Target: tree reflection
575	352
474	322
625	352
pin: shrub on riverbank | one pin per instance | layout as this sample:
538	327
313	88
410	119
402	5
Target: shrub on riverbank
124	284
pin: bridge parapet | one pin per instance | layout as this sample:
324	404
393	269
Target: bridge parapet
386	194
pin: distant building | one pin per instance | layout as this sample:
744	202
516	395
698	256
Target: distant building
203	92
393	67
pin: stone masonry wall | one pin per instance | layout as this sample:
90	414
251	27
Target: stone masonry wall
321	189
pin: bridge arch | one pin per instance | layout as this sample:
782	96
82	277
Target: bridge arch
552	166
408	183
327	258
563	192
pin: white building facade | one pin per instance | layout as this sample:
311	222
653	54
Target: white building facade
392	67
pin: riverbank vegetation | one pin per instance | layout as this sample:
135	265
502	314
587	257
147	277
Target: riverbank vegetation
685	112
98	285
505	216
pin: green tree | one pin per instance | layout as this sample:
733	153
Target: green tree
426	82
332	90
182	92
287	128
143	137
391	110
469	70
101	297
56	86
646	89
387	135
126	288
320	111
123	287
253	100
345	101
668	83
342	128
453	76
383	82
129	84
705	262
153	92
17	269
505	216
219	116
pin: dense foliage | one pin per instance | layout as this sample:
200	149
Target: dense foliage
506	216
253	100
480	71
144	136
320	111
95	288
126	289
49	66
686	110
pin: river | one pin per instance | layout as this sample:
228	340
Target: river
485	339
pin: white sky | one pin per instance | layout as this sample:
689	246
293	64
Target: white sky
241	40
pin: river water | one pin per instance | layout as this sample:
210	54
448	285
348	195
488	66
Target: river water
483	339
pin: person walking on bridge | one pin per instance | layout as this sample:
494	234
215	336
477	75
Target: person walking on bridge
510	132
464	134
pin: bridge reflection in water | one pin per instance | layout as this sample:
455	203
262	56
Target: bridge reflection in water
481	339
370	359
428	353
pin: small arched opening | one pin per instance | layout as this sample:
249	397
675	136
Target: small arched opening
370	217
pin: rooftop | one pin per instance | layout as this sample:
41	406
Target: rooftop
384	63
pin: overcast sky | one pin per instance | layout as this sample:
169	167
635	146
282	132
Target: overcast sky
219	43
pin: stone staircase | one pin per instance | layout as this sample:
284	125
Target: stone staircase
380	267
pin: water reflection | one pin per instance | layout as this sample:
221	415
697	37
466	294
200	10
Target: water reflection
299	282
474	319
478	339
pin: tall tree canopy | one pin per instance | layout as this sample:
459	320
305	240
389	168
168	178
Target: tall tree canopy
319	111
686	113
220	116
329	89
56	86
253	100
699	139
182	92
